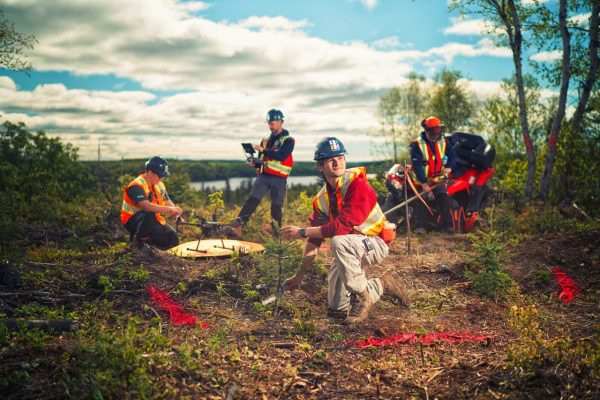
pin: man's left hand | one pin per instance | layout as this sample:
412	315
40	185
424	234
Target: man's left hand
290	232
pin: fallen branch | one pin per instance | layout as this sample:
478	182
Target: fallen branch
284	345
56	325
40	264
30	293
575	206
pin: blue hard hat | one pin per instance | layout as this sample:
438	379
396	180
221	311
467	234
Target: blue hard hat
329	147
158	165
274	115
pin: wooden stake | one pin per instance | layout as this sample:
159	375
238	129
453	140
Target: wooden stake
406	177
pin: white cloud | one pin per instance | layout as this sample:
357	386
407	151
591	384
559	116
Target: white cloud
390	42
580	19
369	4
274	24
467	27
547	56
193	6
225	75
7	83
484	47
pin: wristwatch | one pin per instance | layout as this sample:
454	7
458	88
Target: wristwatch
302	232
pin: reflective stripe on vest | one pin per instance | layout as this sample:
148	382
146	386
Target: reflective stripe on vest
433	165
374	222
129	208
275	167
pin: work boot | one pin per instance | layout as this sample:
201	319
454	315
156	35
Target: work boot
420	231
337	314
236	230
149	252
136	245
475	198
360	305
392	285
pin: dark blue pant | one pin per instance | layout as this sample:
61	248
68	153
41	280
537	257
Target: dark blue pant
147	228
262	184
443	205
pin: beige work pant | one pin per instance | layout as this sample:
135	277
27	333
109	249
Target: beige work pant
346	275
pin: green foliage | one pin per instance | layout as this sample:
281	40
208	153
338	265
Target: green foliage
451	101
577	176
41	180
12	45
499	115
485	265
107	284
577	363
53	255
378	183
122	275
116	362
35	310
303	327
298	208
215	202
179	186
400	111
250	294
304	324
278	256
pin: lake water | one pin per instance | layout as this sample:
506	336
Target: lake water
237	182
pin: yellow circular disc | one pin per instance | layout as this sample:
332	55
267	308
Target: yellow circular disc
214	248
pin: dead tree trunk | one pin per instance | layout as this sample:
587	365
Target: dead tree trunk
509	15
562	101
592	73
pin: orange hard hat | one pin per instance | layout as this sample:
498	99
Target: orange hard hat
431	122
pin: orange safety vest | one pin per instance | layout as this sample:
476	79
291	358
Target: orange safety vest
374	223
129	208
433	165
275	167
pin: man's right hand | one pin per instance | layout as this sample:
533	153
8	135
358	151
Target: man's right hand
294	282
176	211
426	187
250	164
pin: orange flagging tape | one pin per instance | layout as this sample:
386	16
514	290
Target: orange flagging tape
176	314
569	289
429	338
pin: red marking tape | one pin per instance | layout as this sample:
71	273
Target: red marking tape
428	339
176	314
569	289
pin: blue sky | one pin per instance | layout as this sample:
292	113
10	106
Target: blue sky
192	79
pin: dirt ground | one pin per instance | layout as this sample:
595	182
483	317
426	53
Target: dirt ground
300	353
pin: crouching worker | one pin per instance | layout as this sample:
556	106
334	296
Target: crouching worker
346	210
145	199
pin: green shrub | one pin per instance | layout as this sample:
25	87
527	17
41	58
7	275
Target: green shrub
576	363
117	363
485	265
40	178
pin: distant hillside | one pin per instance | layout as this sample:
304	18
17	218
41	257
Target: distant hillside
202	170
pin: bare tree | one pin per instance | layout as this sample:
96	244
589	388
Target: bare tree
12	46
505	17
592	71
562	101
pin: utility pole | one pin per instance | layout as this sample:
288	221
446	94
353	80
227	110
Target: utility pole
99	155
407	214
